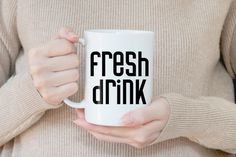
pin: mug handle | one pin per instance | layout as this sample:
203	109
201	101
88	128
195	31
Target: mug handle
69	102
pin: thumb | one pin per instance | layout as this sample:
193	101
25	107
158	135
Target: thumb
68	34
140	116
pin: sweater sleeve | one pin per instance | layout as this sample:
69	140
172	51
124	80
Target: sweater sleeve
20	103
208	121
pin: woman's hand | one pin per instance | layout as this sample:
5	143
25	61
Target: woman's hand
142	126
54	67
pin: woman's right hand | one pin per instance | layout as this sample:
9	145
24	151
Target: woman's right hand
54	67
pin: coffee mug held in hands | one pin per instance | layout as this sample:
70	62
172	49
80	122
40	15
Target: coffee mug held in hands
118	75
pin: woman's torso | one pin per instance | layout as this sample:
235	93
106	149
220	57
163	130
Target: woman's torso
187	62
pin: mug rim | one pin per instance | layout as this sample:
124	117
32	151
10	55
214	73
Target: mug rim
118	31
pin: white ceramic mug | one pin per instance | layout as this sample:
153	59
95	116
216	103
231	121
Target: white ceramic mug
118	75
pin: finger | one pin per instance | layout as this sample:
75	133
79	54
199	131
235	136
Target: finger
58	94
146	136
107	130
148	132
67	89
63	30
61	63
68	34
143	145
154	139
158	109
153	127
56	79
108	138
141	116
59	47
80	113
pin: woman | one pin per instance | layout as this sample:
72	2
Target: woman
193	112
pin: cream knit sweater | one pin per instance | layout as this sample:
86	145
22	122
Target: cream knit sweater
191	37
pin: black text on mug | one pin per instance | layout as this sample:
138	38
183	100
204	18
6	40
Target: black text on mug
122	86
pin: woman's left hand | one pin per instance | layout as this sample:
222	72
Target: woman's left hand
141	127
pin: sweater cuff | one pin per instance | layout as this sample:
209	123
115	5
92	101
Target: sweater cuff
28	95
187	118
